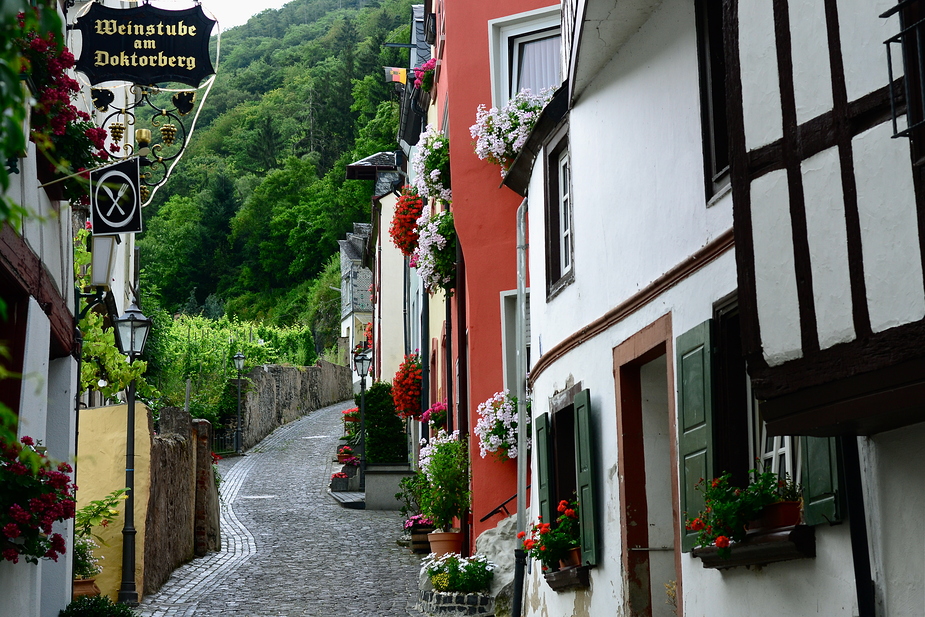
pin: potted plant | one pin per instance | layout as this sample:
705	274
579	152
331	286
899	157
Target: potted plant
435	256
100	512
424	75
729	511
404	227
551	543
497	426
418	526
435	415
34	494
431	165
339	481
96	606
500	134
445	464
406	387
344	453
456	574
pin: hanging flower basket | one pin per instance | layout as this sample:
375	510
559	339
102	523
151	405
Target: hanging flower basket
435	415
500	134
435	256
431	165
424	75
497	426
406	387
404	228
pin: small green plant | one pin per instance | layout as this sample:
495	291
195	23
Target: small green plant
728	509
411	488
100	512
445	464
454	573
96	606
86	564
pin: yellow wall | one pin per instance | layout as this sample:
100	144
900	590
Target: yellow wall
101	470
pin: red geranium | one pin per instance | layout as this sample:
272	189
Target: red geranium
404	228
406	387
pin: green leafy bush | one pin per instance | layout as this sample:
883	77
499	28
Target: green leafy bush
96	606
452	572
445	463
385	432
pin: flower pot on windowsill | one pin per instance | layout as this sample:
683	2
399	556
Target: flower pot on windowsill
777	515
571	559
762	547
566	579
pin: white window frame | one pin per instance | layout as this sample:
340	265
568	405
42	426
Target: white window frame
501	31
565	213
767	456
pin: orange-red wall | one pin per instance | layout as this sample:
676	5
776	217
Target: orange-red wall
485	217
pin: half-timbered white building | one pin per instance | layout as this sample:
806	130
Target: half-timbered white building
726	263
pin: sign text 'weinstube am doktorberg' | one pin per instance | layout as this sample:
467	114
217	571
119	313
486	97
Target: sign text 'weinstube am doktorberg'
145	45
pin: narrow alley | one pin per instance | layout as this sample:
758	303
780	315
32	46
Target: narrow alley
288	548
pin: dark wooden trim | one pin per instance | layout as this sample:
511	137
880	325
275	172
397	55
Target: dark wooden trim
569	579
28	272
741	183
700	259
809	334
758	549
841	115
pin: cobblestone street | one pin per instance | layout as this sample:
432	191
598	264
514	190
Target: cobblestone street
288	548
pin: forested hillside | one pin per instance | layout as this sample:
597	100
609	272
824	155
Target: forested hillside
251	216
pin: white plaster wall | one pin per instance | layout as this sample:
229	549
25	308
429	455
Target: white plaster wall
828	247
889	229
390	298
20	585
896	498
810	57
863	52
33	406
775	277
639	202
760	88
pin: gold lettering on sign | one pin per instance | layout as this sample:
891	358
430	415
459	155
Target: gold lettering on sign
102	58
111	27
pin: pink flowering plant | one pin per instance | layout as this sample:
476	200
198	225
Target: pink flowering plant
435	256
424	75
497	426
431	166
417	521
35	493
500	134
435	414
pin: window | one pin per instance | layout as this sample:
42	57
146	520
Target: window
560	240
524	52
509	328
565	463
712	60
720	430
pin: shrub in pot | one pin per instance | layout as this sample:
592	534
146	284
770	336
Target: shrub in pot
96	606
386	442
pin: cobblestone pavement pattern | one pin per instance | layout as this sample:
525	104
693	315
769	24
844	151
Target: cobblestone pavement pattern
288	549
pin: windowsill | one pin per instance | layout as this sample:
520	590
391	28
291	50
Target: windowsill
568	579
719	195
763	547
564	281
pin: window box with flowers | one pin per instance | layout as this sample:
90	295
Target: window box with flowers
500	134
339	481
431	166
497	426
435	415
406	387
755	525
404	227
66	140
557	546
424	75
435	256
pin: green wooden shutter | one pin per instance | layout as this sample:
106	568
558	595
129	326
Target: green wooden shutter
543	462
695	419
584	468
820	480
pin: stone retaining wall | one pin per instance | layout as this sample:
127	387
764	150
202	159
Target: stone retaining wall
183	507
274	395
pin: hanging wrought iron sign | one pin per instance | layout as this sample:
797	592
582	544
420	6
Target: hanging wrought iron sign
115	198
145	45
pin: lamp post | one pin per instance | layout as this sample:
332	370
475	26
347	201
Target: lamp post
362	361
238	364
131	331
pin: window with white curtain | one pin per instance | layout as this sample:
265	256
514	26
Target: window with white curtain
524	52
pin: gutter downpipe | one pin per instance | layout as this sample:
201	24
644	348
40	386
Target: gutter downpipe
520	557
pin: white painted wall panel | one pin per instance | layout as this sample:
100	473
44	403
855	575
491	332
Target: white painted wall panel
775	278
33	403
889	231
760	87
810	53
863	52
828	247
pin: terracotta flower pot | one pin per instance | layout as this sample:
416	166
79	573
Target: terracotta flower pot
776	515
571	559
85	587
443	542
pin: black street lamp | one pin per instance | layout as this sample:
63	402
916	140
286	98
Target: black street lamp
238	364
131	330
362	361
